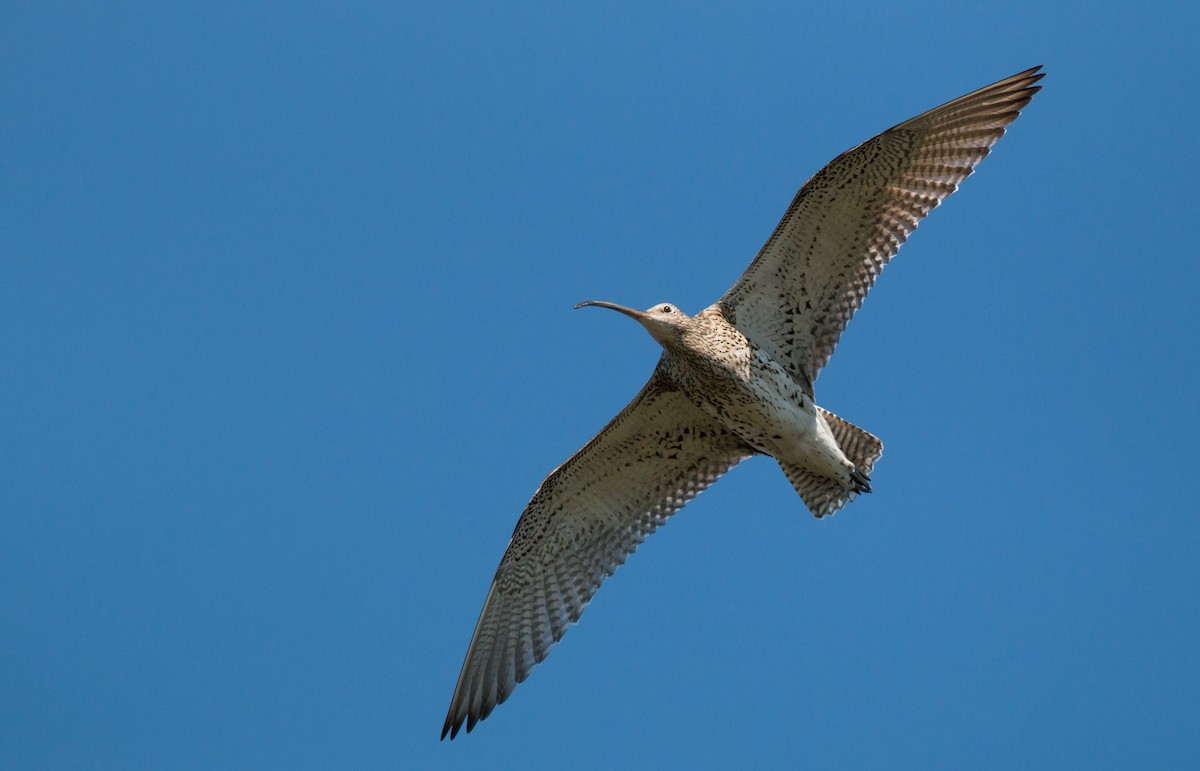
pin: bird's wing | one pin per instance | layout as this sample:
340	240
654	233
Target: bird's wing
584	520
851	218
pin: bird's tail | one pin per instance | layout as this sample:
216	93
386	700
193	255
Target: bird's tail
823	495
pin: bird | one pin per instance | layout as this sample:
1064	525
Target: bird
733	381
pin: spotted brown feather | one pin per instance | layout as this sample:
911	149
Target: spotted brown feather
584	520
851	218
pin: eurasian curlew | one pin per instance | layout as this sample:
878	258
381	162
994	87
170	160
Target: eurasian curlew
734	380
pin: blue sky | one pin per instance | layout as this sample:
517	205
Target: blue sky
288	341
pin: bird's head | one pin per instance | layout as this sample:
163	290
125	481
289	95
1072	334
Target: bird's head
663	321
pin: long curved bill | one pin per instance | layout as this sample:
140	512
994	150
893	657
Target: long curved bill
630	312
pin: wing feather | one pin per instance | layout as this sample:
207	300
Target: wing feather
852	217
583	521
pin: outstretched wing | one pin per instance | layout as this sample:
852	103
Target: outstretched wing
850	219
584	520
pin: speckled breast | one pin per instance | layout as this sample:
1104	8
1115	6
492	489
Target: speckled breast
750	393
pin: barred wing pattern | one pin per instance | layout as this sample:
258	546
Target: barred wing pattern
588	516
851	218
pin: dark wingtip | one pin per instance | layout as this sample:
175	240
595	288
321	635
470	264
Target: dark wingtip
1031	76
451	727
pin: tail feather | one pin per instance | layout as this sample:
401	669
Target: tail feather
824	496
862	448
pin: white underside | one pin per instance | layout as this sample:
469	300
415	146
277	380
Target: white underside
774	415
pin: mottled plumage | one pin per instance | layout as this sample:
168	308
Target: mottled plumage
734	380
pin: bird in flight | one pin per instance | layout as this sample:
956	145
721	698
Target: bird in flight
735	380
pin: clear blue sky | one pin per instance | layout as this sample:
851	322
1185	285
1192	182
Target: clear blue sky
287	342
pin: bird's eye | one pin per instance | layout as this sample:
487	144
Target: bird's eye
667	309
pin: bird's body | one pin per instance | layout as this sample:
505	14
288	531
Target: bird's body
733	381
742	387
